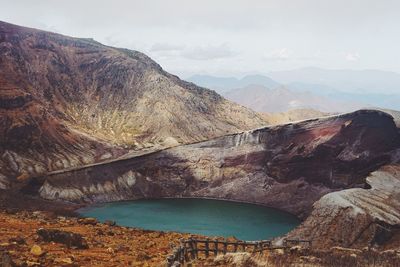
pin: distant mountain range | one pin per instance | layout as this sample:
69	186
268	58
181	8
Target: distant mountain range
225	84
281	99
326	90
350	81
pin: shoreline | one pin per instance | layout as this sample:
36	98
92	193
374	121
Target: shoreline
212	232
191	197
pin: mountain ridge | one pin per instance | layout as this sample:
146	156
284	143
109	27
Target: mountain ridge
352	92
88	102
282	99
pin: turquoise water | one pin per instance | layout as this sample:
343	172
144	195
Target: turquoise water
198	216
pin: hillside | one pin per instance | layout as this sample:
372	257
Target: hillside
293	115
67	102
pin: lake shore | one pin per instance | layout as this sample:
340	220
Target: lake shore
210	217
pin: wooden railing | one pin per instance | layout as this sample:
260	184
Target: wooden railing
191	248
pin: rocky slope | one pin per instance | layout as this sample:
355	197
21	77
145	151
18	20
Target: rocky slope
374	211
34	141
288	166
67	102
106	245
293	115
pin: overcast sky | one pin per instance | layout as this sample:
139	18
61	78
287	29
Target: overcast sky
228	37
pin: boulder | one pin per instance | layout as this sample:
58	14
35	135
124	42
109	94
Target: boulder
88	221
67	238
18	240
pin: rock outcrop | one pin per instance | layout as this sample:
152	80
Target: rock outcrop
357	217
67	102
63	237
288	167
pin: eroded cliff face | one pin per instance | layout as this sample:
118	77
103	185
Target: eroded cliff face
357	217
288	167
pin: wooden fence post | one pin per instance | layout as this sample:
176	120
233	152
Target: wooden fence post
185	252
195	248
170	260
207	248
176	254
181	255
225	246
192	250
215	247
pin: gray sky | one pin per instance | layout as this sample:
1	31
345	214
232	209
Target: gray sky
229	37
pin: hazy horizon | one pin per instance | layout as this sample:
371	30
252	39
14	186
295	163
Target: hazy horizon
251	73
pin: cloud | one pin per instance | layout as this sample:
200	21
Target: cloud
288	55
281	54
209	52
162	47
352	56
269	35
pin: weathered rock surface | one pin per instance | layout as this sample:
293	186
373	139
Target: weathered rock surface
34	141
67	102
63	237
356	217
288	167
